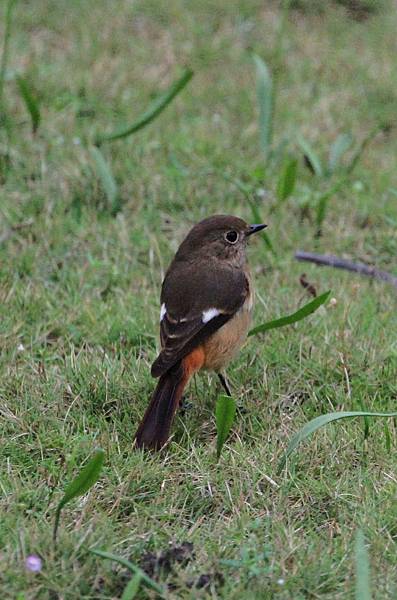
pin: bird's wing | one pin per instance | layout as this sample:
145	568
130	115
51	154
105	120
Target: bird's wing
194	305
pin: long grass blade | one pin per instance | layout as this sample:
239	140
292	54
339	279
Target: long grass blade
363	572
338	149
360	150
132	587
151	113
322	203
87	477
264	88
365	419
225	412
6	43
311	157
387	438
300	314
321	421
106	178
131	567
287	181
31	102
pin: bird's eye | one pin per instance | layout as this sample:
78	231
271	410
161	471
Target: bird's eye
231	237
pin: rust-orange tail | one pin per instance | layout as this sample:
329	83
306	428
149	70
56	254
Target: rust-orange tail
154	429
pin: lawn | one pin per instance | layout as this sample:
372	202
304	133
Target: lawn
80	274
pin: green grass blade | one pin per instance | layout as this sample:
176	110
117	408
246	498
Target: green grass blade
132	587
264	88
152	112
363	572
225	412
322	420
300	314
287	181
312	157
106	178
131	567
338	149
366	421
387	438
31	102
87	477
268	242
357	155
322	203
6	42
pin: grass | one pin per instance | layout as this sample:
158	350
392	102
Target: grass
79	300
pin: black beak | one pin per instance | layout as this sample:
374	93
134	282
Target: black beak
255	228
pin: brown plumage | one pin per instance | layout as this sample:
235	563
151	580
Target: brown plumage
206	304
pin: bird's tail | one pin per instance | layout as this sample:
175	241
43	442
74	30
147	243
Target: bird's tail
154	429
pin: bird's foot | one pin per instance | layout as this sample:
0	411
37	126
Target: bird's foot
184	405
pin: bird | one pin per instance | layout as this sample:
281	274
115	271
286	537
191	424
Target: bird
206	305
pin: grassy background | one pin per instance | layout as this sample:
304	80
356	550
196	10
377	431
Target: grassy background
79	290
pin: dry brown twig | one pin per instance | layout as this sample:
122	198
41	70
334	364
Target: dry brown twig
340	263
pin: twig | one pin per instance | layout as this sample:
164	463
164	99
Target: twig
340	263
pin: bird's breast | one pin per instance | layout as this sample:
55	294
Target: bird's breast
224	344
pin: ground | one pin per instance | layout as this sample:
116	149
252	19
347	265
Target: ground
80	283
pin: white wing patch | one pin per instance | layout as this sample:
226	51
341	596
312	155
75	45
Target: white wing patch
250	301
163	311
210	314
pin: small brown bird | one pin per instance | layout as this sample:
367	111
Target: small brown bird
206	306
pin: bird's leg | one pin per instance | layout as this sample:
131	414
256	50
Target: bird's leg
184	405
224	384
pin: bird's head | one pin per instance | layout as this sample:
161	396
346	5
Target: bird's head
220	236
